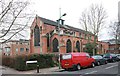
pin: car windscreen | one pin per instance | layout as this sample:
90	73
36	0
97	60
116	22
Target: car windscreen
66	56
106	55
113	55
95	57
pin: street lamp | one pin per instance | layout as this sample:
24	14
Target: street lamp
59	35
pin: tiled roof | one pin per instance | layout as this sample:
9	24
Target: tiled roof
112	41
77	29
47	21
50	22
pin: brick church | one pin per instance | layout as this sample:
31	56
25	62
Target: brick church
45	37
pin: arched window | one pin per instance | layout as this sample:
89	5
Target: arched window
36	36
55	45
48	41
78	46
68	46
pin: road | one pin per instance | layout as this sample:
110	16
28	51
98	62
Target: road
110	69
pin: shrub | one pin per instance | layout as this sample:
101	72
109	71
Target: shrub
19	62
8	61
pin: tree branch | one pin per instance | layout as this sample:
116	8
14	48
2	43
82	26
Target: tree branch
3	13
15	33
12	22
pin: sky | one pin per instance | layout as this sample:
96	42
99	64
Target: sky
50	9
73	8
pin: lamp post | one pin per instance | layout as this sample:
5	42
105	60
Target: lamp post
59	34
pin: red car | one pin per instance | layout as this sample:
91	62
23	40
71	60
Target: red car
76	60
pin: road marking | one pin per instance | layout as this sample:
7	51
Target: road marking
111	67
91	72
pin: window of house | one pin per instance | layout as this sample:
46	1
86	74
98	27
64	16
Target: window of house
16	49
7	51
21	49
27	49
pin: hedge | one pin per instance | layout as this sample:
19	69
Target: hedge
19	62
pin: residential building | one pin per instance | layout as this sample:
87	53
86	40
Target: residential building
16	47
103	47
113	47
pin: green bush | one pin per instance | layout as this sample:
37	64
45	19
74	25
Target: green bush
89	48
19	62
8	61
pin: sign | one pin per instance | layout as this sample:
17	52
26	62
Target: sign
27	62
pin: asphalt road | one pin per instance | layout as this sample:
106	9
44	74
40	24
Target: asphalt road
110	69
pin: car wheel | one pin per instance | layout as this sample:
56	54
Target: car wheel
98	63
93	65
66	69
78	67
106	62
113	60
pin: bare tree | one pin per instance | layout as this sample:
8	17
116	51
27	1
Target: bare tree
114	31
84	20
93	20
13	18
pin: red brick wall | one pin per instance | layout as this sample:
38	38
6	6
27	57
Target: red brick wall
114	48
63	39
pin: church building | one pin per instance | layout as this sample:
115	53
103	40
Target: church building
48	36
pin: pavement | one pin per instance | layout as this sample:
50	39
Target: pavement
110	68
7	70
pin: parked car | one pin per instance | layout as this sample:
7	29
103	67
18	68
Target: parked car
76	60
111	57
99	60
118	55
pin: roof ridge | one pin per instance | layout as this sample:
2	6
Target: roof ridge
51	22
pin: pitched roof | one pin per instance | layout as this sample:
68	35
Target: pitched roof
47	21
111	41
50	22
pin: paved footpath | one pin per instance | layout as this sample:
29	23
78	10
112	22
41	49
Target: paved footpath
7	70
